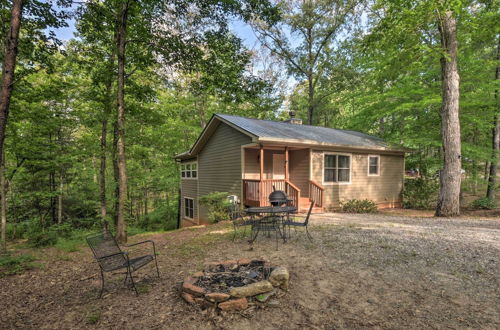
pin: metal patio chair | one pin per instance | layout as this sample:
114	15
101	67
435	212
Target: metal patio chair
238	219
295	224
110	257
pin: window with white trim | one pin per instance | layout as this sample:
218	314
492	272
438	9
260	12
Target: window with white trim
189	170
188	207
373	165
337	168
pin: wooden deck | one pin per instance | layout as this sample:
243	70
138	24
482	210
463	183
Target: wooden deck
256	192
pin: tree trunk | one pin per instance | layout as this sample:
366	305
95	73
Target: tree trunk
495	132
3	197
104	135
53	198
115	172
450	176
8	69
310	101
60	199
121	228
146	201
9	66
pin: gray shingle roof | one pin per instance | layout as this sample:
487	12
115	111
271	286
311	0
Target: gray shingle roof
321	135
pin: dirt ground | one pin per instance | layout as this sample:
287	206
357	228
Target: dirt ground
361	271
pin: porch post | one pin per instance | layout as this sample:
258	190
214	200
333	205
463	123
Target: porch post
261	183
286	164
261	157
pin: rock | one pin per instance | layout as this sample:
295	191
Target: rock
188	298
279	277
228	262
193	289
234	305
217	296
251	289
244	262
263	297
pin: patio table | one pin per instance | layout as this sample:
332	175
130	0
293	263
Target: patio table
270	219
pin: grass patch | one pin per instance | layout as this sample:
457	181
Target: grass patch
11	265
93	315
198	245
68	245
142	288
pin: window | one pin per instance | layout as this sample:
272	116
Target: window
188	208
337	168
373	165
189	170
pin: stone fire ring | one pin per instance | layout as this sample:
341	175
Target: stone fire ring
238	297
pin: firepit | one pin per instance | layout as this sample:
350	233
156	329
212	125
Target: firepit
234	284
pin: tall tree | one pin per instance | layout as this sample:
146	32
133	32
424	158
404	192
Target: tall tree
495	135
122	18
8	69
305	37
450	176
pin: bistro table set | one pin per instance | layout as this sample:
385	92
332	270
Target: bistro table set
271	219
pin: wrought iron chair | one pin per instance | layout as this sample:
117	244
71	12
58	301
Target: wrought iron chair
295	224
237	217
110	257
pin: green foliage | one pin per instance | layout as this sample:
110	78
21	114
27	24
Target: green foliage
42	239
17	230
64	230
483	203
162	218
358	206
11	265
217	204
420	193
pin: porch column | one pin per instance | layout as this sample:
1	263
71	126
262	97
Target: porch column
261	157
261	183
286	164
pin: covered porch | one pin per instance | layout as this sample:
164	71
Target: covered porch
287	168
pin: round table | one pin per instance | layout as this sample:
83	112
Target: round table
271	209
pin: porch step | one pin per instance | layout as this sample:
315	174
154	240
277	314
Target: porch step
304	204
314	210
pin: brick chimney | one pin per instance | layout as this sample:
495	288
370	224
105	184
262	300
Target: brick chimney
293	120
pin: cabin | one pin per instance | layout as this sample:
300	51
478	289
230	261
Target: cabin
249	158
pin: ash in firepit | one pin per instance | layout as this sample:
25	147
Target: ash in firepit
224	277
242	279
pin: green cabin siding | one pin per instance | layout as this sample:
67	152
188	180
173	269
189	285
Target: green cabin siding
219	164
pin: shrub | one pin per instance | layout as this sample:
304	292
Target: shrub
10	265
420	193
163	217
42	238
218	206
86	223
64	230
483	203
17	230
359	206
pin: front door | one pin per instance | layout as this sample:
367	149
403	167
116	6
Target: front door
278	166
